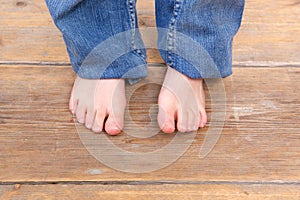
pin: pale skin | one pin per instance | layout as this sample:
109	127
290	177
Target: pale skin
181	100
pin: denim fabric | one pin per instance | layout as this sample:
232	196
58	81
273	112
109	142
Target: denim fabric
199	36
102	39
86	24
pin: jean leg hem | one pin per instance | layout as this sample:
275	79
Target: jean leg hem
128	66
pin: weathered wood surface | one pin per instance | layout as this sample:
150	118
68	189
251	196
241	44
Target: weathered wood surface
259	142
256	157
160	191
269	35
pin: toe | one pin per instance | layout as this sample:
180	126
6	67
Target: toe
80	114
169	126
166	120
73	105
114	123
193	121
182	124
90	116
99	121
203	119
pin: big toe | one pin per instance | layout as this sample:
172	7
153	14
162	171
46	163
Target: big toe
114	124
166	120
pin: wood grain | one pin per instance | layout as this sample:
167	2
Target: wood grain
161	191
259	141
256	157
269	35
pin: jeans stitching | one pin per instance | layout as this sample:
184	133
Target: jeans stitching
171	35
132	15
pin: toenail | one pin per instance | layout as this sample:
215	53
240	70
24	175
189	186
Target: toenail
97	130
115	129
168	129
183	129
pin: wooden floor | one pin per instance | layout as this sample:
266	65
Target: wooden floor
256	157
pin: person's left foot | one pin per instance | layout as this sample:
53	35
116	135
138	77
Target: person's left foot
181	99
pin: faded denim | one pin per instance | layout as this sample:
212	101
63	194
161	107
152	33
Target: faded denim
103	41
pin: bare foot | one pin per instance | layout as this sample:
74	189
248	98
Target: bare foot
92	101
181	99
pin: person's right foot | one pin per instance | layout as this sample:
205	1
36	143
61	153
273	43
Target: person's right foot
94	100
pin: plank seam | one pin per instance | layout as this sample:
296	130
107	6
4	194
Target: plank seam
296	183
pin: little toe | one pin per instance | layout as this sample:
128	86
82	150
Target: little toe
73	104
203	119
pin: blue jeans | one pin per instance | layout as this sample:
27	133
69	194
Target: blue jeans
103	39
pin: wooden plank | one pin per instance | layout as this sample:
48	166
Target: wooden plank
259	142
161	191
268	36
